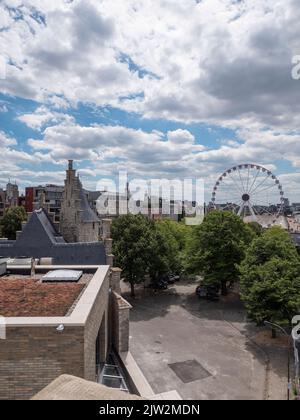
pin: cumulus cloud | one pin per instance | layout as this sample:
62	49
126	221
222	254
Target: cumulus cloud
12	158
215	60
220	62
5	140
105	143
42	117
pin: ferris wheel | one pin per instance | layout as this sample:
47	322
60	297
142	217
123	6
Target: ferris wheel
251	191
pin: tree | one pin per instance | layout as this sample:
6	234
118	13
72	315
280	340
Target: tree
174	236
133	246
217	246
143	247
256	227
12	221
270	278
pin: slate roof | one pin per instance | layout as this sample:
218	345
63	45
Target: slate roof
40	239
88	215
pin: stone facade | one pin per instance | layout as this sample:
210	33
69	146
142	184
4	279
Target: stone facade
78	222
120	323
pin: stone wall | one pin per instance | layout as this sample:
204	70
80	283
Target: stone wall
88	232
73	226
120	323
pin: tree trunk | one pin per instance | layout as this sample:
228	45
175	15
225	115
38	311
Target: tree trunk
274	333
132	289
224	288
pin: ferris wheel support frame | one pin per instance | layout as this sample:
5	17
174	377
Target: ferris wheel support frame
247	189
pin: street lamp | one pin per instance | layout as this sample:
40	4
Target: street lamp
273	325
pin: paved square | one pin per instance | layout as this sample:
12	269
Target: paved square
172	327
190	371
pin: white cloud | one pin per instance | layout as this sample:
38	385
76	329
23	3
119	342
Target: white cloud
3	108
178	154
6	141
216	60
42	117
106	143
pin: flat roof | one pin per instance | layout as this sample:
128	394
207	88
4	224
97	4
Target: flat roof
23	296
80	310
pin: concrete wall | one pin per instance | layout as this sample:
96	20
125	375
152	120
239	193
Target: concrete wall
98	314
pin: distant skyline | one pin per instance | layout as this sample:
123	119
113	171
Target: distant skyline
162	88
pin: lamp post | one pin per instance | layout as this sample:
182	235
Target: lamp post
273	325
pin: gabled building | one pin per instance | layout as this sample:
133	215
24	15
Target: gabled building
39	239
78	222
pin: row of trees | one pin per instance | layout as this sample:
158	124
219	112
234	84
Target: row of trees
265	263
223	250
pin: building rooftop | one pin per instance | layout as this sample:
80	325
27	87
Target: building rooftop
23	296
88	215
70	388
39	239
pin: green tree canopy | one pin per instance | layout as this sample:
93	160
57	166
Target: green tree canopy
143	247
12	222
256	227
134	243
217	246
270	278
174	236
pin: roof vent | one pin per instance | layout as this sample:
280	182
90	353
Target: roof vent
62	276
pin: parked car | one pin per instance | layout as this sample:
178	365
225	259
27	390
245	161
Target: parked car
208	292
171	278
159	285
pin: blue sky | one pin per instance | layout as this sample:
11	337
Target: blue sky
160	89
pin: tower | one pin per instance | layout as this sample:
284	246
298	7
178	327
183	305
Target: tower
78	222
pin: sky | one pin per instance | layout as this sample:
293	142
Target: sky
157	88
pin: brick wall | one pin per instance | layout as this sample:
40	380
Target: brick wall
30	358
